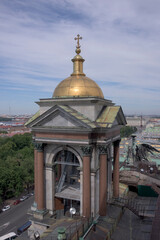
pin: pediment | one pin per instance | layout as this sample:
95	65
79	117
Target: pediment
115	122
59	117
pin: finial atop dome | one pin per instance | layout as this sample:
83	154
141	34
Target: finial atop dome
78	85
78	60
78	50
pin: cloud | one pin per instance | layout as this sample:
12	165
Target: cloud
120	45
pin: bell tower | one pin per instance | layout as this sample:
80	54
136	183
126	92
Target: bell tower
76	135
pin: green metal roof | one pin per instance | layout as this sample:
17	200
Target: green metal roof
108	116
152	130
105	120
79	116
36	115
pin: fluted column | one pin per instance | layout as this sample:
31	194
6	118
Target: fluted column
40	168
102	180
116	170
87	151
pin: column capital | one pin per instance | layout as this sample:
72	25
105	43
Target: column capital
117	142
102	149
86	150
50	166
38	146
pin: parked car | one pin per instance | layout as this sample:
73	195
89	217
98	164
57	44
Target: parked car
30	194
23	198
5	208
24	227
16	202
9	236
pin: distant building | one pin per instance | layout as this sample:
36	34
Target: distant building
136	121
76	135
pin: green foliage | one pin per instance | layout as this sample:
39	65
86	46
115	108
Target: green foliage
2	131
7	149
16	165
126	131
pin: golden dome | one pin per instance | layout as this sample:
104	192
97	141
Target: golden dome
78	85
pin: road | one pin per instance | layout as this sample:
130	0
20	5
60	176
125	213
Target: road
15	217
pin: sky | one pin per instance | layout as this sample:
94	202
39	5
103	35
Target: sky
120	45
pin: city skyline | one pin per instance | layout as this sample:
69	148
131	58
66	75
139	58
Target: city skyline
120	46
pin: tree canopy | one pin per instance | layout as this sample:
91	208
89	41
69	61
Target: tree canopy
126	131
16	165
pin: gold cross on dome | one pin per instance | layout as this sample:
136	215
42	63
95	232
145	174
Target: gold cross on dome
78	38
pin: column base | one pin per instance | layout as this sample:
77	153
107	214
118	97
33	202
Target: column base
34	207
39	214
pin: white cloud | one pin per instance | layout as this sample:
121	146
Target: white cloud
120	44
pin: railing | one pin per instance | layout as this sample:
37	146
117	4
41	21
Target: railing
144	173
137	209
155	233
74	231
122	164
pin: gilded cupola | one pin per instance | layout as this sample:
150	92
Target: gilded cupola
77	85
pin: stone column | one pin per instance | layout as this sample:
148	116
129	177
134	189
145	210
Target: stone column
50	189
35	176
102	180
81	192
116	170
40	168
87	151
109	172
93	193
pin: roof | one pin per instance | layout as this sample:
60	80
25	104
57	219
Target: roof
109	115
36	115
79	116
78	86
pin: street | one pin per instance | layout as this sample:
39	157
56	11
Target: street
15	217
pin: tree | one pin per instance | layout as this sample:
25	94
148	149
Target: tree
27	168
16	165
7	150
126	131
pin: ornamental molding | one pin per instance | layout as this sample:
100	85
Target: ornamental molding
86	150
38	146
103	149
50	166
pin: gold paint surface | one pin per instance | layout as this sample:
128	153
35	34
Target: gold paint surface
79	86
